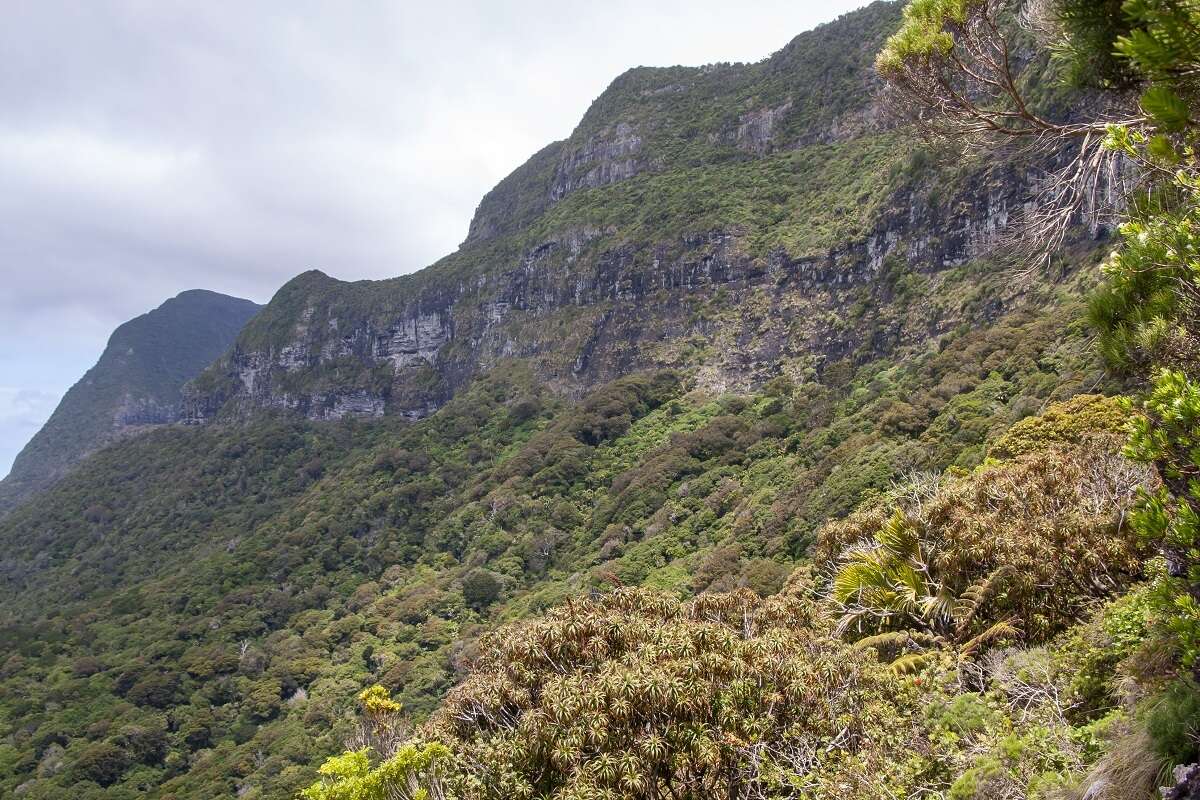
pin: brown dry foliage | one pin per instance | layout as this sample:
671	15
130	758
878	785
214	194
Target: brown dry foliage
1055	521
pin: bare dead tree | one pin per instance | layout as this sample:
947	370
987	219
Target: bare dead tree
965	83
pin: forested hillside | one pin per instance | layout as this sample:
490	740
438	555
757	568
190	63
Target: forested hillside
740	452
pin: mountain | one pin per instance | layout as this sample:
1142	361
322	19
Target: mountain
136	384
709	219
726	331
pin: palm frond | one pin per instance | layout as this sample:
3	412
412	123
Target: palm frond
856	577
1000	630
974	597
910	663
884	641
938	607
898	538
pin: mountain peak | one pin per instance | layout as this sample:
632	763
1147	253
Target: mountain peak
652	120
135	383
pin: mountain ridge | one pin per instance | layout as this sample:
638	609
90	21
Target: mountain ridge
682	379
779	181
135	384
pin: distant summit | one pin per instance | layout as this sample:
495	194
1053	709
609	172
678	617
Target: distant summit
135	384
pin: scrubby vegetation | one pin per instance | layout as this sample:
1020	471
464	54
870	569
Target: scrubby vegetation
638	694
1036	540
935	575
230	589
963	565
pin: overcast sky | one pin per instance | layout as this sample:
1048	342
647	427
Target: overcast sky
150	146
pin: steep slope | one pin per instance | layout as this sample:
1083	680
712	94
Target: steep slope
191	612
730	307
684	193
136	383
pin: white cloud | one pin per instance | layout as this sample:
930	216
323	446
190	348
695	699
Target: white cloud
23	406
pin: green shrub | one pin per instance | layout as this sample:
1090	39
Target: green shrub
481	588
159	690
975	783
1173	721
102	762
1065	423
966	714
1093	651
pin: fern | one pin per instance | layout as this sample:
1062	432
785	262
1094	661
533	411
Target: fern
973	598
888	583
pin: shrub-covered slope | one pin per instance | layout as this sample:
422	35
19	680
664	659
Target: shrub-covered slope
727	391
135	384
224	591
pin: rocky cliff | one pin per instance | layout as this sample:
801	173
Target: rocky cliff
734	220
135	384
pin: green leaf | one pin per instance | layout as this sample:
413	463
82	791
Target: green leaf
1166	109
1162	150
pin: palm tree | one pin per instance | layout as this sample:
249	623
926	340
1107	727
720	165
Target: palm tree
888	586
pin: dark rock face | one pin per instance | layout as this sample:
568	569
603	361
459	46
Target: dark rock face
756	129
610	156
586	303
585	311
577	264
136	383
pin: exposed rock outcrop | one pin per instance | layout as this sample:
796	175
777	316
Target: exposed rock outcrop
607	157
604	254
1186	783
585	307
